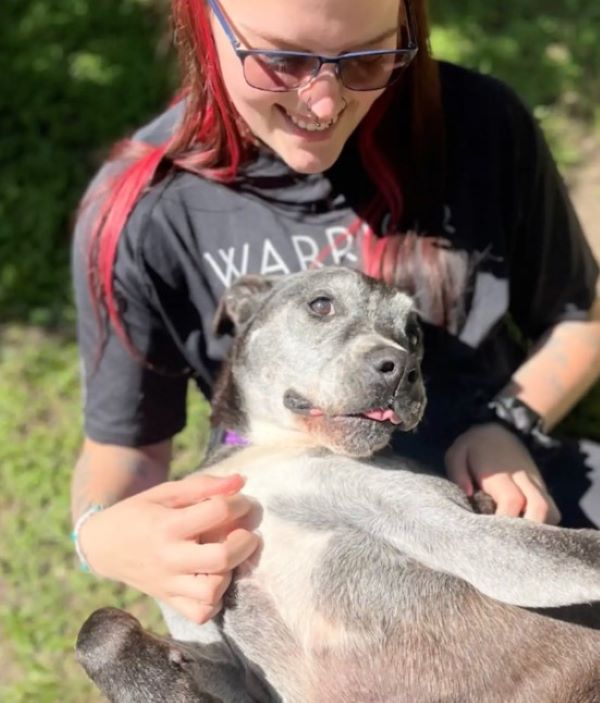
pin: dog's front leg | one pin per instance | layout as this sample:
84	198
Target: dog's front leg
130	665
428	518
510	559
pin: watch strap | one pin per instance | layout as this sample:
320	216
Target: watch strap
516	416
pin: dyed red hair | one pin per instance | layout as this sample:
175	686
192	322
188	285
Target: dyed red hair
400	142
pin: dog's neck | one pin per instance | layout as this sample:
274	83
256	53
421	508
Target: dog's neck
269	434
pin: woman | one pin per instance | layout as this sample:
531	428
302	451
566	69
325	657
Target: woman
322	132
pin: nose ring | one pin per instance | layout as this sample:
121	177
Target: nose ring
315	119
312	115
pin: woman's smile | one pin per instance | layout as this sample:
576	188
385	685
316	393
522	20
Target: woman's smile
307	127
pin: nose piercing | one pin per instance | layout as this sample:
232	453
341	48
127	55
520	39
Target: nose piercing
316	120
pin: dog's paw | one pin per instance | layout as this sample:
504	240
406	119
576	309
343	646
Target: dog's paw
482	503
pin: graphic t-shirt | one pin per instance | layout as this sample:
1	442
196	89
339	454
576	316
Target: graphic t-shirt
189	238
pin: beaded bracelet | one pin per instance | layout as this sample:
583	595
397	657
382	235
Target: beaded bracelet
81	520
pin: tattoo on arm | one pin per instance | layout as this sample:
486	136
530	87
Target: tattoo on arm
125	475
81	489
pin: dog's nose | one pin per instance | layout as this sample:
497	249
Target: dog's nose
388	363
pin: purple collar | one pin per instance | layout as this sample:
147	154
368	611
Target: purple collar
234	439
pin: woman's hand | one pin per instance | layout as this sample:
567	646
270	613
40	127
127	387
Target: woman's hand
177	542
493	459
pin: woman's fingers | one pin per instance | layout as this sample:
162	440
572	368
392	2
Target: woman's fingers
194	610
207	515
457	467
193	489
191	558
539	505
509	498
250	521
490	457
207	589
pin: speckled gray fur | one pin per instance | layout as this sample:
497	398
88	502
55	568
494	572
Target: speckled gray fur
376	581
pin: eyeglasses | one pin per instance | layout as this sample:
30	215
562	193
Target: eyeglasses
281	71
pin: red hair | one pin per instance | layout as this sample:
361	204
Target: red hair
401	136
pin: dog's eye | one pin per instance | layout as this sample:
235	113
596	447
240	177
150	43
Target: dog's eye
322	306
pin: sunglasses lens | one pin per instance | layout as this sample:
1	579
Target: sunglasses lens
278	72
281	72
372	72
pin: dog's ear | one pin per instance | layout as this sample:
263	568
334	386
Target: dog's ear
239	302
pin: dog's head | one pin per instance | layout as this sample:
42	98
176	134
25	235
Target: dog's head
329	352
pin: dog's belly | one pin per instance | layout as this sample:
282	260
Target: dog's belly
332	614
335	622
371	626
322	600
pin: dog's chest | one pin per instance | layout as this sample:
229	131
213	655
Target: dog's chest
317	587
311	560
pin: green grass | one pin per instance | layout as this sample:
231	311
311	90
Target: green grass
44	597
77	75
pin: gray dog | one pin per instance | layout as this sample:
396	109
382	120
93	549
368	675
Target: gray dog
376	581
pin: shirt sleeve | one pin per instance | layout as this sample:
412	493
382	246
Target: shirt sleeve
134	392
553	271
136	395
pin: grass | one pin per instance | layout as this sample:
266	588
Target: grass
44	597
67	68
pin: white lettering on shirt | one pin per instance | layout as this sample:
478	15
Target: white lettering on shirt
269	252
340	244
337	247
231	272
310	253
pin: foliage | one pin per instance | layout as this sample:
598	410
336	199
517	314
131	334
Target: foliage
548	50
74	77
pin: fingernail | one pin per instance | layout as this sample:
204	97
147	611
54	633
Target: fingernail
235	490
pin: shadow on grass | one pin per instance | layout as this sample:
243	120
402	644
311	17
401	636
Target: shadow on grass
77	76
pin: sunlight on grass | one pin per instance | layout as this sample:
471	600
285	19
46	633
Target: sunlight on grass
45	598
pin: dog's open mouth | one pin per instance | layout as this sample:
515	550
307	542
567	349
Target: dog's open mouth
298	404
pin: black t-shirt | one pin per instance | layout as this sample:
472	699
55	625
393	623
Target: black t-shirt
188	238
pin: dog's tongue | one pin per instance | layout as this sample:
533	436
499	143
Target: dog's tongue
382	414
379	414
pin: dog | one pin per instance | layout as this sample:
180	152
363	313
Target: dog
376	580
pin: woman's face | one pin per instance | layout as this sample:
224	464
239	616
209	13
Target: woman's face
327	27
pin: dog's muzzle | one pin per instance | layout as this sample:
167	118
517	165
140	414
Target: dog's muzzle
388	389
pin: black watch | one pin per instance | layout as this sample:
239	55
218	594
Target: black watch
514	412
514	415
